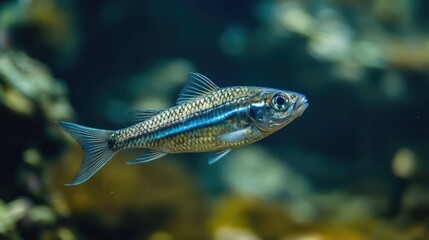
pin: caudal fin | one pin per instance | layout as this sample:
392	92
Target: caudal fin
95	147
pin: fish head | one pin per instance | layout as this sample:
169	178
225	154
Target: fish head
272	109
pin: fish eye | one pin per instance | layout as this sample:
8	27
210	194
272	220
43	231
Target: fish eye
279	102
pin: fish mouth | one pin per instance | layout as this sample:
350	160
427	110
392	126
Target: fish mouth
301	105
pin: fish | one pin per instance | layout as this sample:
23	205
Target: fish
206	118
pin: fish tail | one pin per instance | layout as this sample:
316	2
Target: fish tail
94	143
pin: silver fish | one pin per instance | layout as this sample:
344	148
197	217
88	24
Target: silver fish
206	119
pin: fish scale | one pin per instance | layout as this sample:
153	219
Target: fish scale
206	119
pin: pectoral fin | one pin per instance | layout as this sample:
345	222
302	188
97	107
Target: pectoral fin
217	156
236	136
148	156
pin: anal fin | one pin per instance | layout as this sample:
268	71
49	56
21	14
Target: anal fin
148	156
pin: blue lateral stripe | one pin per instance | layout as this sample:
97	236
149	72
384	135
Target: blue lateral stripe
200	121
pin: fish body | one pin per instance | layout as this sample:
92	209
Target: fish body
206	119
194	126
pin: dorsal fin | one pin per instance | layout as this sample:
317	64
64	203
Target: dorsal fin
142	115
196	86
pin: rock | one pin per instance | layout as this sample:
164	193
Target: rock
44	29
415	202
230	233
31	100
140	199
29	86
241	216
10	214
254	171
42	215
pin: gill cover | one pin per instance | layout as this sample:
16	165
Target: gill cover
270	110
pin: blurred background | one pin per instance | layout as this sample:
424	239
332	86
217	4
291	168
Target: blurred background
354	166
